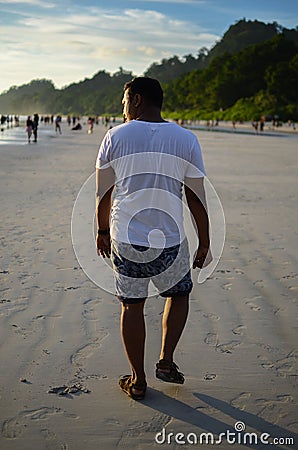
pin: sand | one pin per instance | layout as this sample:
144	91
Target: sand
57	328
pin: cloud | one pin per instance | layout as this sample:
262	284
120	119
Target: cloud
67	46
40	3
147	50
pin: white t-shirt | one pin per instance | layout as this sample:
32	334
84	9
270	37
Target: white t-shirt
150	161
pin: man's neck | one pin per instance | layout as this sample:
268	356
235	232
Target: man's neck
150	115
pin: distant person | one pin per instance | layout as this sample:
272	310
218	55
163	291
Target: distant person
57	124
77	127
255	125
90	125
35	126
106	121
29	128
2	121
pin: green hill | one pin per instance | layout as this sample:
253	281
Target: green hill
258	80
238	37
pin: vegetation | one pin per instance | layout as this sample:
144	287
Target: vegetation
252	71
259	80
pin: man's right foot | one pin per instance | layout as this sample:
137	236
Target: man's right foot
137	391
168	371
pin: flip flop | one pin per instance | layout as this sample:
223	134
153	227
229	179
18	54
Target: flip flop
127	386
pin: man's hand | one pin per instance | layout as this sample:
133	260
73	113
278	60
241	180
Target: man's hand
103	245
203	258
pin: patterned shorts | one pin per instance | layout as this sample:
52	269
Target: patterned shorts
135	266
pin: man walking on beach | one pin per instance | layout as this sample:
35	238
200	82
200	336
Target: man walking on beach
141	168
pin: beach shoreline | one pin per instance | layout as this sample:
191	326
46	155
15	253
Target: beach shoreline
13	134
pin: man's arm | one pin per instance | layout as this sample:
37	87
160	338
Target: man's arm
104	189
196	200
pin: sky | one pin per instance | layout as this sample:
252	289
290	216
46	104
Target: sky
70	40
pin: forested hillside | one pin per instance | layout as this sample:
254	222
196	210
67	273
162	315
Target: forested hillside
237	37
251	71
260	80
99	95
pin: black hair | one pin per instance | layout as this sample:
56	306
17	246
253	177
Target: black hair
149	88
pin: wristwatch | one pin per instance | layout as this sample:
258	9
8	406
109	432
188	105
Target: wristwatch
102	232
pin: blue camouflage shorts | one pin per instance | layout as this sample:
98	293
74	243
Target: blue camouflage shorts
135	266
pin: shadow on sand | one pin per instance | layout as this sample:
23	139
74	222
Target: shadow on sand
206	423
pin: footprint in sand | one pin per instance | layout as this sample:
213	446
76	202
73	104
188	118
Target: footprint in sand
227	286
259	283
13	306
228	347
14	427
265	362
293	426
285	398
139	429
241	401
287	366
222	271
290	276
284	367
269	409
90	309
239	330
72	288
80	357
293	288
274	409
210	376
211	316
26	331
211	339
49	316
253	306
50	436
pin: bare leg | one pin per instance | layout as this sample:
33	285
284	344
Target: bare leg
173	323
133	335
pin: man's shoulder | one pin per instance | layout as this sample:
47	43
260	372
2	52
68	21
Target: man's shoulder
177	131
121	129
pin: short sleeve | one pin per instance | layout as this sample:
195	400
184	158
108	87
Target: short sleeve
103	157
195	167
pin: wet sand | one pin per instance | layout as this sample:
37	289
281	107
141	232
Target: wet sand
238	351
